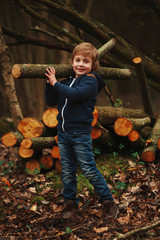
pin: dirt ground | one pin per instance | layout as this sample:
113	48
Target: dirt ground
31	205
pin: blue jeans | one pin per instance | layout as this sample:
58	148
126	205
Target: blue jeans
77	148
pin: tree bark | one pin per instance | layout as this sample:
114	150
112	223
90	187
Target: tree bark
8	82
108	114
143	86
64	71
135	140
149	153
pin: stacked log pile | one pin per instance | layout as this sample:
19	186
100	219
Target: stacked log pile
111	125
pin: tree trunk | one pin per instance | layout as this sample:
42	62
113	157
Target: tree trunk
8	82
149	153
143	86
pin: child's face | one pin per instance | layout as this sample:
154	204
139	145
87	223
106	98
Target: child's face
82	64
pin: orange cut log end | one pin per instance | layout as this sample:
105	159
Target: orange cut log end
133	136
9	139
46	161
55	152
95	117
30	127
49	117
16	72
148	156
158	144
33	166
96	133
25	153
56	139
137	60
26	143
58	166
122	126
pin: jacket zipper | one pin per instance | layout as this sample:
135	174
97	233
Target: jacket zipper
62	112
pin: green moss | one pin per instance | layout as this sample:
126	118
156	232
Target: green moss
83	184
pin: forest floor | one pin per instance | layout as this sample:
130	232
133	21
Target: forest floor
31	205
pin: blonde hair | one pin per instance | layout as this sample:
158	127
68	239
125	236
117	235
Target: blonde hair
85	49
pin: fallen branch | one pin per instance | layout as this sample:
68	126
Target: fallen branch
139	230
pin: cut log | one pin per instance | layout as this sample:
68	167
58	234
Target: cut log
55	152
149	153
56	139
30	127
143	86
49	117
64	71
139	123
135	139
106	138
108	114
32	166
122	126
58	165
26	143
46	161
40	142
95	117
96	133
158	144
12	139
25	153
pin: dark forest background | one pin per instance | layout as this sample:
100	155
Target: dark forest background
136	21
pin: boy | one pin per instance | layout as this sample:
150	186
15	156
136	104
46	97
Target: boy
76	99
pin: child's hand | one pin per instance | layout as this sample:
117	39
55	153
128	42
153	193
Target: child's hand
51	75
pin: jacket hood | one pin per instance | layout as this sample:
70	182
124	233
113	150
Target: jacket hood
101	83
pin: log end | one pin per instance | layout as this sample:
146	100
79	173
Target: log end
95	117
32	166
16	71
26	143
55	152
122	126
137	60
58	166
49	117
46	161
25	153
96	133
133	136
148	156
9	139
158	144
30	127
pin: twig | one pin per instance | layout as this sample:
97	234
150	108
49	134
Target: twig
139	230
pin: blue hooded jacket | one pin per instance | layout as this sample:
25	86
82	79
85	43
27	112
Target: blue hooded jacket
76	98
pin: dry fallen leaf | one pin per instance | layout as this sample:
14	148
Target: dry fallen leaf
101	230
34	207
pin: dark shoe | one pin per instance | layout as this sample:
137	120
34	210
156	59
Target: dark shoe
109	209
70	210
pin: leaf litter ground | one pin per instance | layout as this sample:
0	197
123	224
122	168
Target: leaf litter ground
31	205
